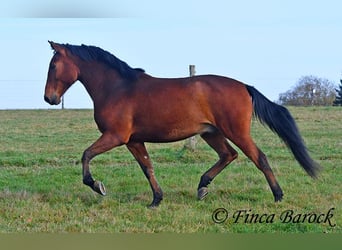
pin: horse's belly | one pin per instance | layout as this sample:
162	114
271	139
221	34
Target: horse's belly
169	134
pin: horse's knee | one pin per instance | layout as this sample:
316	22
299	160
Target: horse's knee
85	156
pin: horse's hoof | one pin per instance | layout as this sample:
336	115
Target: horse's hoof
278	198
153	206
99	188
155	203
202	193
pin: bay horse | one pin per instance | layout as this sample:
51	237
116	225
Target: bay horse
132	107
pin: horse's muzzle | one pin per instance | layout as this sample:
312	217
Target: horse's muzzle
53	100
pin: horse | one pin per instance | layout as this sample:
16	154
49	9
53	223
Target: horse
132	107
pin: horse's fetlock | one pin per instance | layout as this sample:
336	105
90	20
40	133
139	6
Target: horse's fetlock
205	181
88	180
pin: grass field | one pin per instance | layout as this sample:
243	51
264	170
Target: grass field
41	186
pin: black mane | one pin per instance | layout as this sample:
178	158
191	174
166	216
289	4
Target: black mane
92	53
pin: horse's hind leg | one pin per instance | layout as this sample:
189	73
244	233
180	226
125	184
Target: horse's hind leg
249	148
226	154
139	152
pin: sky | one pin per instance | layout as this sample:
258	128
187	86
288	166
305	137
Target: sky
267	44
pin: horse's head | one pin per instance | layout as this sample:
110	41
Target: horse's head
63	72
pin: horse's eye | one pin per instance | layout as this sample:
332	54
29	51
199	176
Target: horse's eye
52	66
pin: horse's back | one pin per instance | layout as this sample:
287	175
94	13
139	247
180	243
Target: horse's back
196	86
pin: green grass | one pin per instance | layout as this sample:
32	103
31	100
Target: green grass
41	186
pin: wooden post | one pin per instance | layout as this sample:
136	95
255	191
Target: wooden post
192	141
63	102
192	70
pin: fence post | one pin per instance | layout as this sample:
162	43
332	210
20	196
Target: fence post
192	141
62	101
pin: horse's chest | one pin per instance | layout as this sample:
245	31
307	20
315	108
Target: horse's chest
112	119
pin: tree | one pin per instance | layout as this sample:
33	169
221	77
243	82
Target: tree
309	91
338	99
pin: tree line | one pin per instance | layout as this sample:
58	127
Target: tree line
312	91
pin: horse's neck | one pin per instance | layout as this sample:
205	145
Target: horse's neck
95	79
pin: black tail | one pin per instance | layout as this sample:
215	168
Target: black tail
280	121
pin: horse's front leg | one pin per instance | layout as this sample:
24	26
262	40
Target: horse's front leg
106	142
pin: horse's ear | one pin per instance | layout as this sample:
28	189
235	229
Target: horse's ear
58	48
